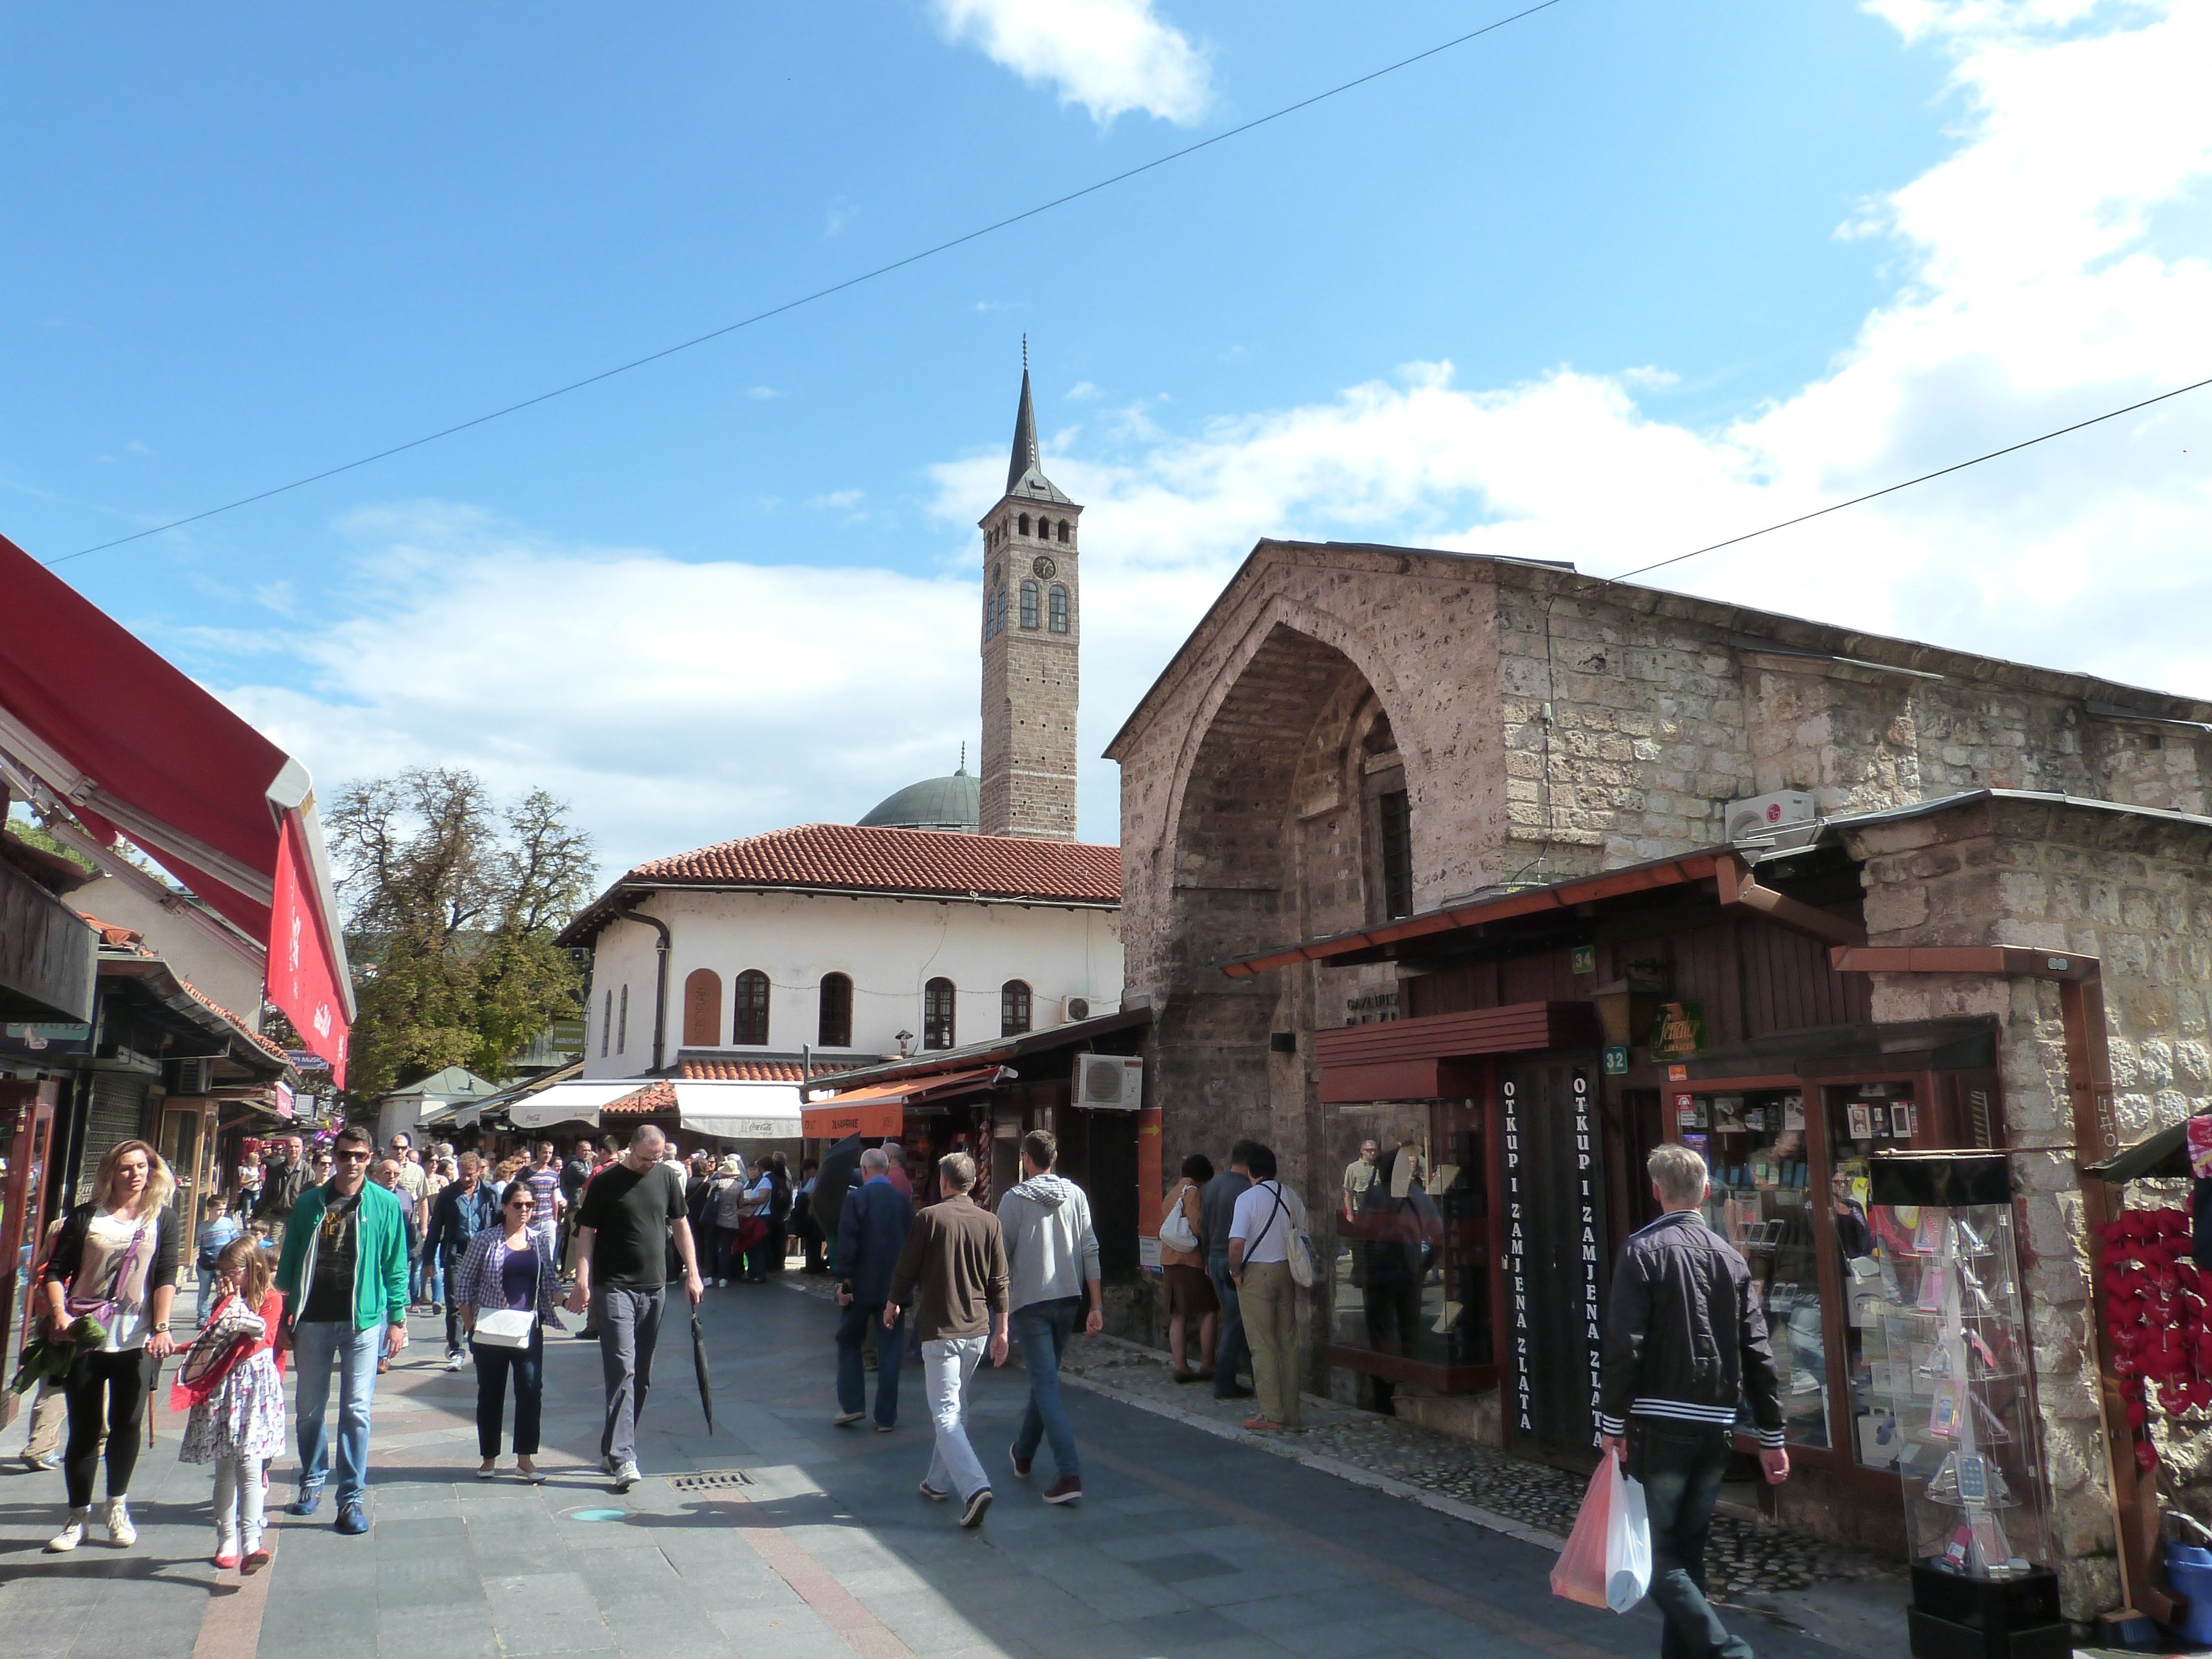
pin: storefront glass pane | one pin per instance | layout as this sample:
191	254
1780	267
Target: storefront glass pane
1754	1148
1413	1274
1863	1119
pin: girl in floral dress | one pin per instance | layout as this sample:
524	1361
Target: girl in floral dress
233	1383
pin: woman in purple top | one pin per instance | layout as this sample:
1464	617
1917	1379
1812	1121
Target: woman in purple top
509	1267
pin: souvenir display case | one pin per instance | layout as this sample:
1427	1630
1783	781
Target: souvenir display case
1941	1295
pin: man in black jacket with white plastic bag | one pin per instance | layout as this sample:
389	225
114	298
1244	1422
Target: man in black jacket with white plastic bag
1684	1346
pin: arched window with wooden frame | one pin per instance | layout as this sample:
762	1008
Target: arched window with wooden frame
702	1009
835	1028
1014	1001
1058	611
751	1023
940	1029
1029	605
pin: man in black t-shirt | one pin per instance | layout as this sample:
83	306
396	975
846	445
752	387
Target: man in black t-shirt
629	1212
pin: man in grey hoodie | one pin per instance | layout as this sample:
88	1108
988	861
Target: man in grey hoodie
1052	1253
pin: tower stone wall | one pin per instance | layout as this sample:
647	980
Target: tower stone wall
1032	623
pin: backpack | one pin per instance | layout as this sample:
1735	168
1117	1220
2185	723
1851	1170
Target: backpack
1176	1230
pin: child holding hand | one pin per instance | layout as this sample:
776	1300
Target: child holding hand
233	1383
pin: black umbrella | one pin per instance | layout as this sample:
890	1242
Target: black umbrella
699	1364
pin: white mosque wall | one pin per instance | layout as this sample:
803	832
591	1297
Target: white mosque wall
890	948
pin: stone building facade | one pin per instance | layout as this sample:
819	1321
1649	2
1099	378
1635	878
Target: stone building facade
1355	733
1540	724
1031	646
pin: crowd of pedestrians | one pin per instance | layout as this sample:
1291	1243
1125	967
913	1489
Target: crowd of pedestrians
318	1262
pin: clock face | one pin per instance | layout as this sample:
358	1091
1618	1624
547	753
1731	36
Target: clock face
1044	566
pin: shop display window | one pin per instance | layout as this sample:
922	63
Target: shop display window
1761	1201
1951	1403
1413	1266
1863	1120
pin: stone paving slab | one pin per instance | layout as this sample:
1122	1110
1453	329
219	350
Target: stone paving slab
1186	1542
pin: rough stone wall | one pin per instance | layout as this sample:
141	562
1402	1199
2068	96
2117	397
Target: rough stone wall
2135	893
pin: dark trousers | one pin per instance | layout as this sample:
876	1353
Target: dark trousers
494	1366
1232	1350
811	1236
853	1326
1680	1465
451	1261
107	1394
629	1329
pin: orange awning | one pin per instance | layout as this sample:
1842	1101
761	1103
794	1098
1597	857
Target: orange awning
880	1109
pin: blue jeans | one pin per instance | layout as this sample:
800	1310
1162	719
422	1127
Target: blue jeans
315	1346
429	1277
1233	1352
852	1380
1043	1329
1680	1465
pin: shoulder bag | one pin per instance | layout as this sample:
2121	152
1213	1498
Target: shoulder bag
1297	1251
505	1328
1176	1230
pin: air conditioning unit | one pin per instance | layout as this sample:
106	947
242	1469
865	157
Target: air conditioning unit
1763	815
1109	1083
1078	1008
195	1076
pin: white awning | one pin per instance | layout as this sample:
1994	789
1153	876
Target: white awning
739	1111
568	1102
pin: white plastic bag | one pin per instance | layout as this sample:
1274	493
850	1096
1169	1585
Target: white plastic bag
1627	1548
1607	1560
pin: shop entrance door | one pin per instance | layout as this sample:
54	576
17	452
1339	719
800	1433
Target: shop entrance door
186	1144
1552	1209
26	1114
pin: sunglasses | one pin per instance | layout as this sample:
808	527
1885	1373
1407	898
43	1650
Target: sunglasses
356	1156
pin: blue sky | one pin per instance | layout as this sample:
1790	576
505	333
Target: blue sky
1610	282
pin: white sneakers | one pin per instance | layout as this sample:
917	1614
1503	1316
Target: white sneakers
71	1535
120	1532
454	1362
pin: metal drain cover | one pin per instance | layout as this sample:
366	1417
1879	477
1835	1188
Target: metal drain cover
710	1479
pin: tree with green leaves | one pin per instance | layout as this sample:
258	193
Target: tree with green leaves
452	906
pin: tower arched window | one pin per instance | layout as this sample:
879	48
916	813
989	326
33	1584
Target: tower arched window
1025	524
622	1025
1029	605
835	1029
1059	610
1062	530
606	1025
938	1026
1013	1007
702	1009
751	1027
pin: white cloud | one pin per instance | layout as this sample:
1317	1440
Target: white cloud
676	703
672	704
2044	279
1109	56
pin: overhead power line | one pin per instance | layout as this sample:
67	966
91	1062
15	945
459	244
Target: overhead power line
1891	489
820	293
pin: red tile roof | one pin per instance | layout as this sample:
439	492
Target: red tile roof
757	1071
114	937
658	1096
848	858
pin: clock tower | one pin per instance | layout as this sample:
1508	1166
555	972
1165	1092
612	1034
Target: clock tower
1032	629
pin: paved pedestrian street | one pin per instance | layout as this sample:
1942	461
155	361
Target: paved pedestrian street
783	1537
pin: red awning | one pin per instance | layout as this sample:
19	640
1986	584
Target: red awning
880	1109
134	747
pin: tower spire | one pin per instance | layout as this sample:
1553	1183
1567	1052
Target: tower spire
1025	471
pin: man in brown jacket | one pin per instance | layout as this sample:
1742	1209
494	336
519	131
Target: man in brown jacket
956	1259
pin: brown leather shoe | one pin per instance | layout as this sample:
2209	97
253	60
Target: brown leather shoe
1065	1490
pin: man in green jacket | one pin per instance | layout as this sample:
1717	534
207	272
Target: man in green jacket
344	1276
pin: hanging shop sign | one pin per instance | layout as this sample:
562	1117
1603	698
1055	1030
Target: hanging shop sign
1679	1031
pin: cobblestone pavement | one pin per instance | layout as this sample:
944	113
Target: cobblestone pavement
783	1537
